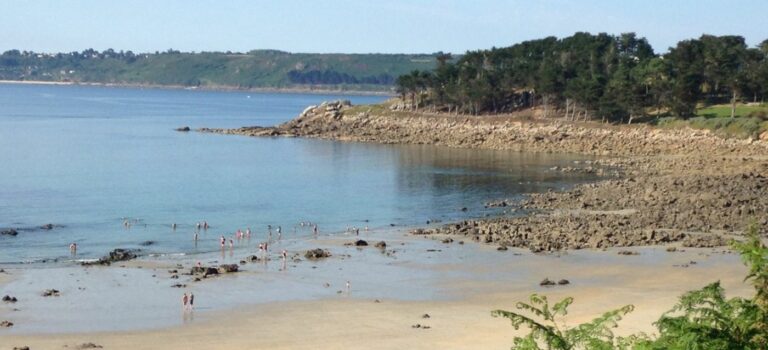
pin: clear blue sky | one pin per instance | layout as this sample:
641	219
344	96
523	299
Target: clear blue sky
360	26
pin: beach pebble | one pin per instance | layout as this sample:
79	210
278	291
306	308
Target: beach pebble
51	293
547	282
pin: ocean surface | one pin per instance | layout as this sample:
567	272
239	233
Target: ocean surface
86	159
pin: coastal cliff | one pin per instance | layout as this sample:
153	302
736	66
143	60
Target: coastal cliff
679	187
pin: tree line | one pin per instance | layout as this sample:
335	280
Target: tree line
614	78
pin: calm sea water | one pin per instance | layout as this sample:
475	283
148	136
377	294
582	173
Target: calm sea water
85	158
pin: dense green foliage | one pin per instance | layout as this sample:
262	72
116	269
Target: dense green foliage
552	331
594	76
255	69
702	319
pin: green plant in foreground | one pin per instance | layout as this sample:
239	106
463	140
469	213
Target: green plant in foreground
702	319
552	333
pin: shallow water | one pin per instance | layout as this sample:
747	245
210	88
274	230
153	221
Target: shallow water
85	158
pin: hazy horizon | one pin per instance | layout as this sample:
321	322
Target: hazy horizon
343	26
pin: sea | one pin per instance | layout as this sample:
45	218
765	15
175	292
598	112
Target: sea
89	159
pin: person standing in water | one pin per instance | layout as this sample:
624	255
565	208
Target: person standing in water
184	301
191	301
223	241
73	248
173	227
314	230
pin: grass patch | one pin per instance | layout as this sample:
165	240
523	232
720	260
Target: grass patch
742	110
741	128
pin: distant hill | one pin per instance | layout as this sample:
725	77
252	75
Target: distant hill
256	69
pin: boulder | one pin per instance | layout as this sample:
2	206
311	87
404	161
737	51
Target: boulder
563	282
9	299
146	243
47	227
317	253
361	243
381	244
183	129
6	324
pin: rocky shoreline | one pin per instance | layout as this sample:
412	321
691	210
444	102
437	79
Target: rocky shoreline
677	186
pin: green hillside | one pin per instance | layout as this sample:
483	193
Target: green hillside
255	69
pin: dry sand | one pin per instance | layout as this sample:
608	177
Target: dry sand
462	322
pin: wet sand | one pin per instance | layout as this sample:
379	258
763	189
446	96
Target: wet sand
264	307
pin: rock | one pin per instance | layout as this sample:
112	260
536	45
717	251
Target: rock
628	252
115	255
464	209
563	282
252	258
183	129
228	268
9	232
381	244
9	299
47	227
672	249
425	316
6	324
50	293
317	253
146	243
89	346
547	282
360	243
21	348
178	285
447	240
502	248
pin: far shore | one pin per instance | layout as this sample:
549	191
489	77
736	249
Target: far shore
290	90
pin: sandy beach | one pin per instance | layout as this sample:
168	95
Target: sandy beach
459	284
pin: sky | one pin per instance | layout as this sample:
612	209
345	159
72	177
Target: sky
348	26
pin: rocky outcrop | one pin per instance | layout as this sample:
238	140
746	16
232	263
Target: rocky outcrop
116	255
681	186
183	129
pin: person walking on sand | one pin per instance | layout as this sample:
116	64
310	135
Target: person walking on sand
184	301
348	287
284	254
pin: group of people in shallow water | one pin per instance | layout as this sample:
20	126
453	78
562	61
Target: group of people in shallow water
188	300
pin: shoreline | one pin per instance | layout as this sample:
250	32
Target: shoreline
298	90
679	187
472	280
